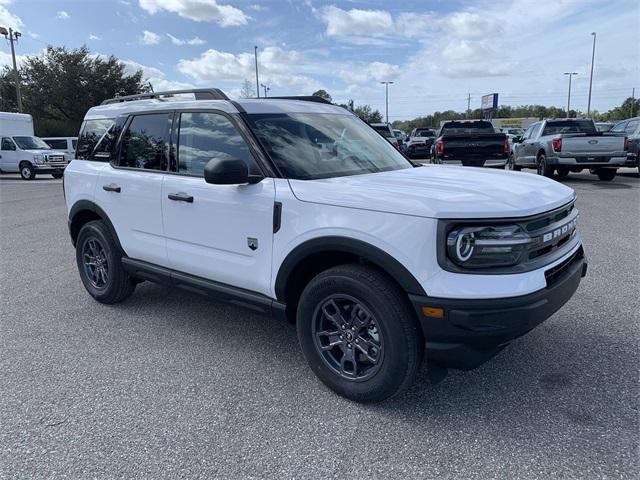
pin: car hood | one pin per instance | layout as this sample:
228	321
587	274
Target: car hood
437	191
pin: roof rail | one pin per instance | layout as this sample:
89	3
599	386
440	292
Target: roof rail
199	93
304	98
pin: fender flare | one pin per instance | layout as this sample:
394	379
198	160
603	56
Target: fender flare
88	205
362	249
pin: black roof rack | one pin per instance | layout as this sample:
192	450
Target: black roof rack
199	93
304	98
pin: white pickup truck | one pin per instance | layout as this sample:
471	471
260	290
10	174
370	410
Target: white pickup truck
569	145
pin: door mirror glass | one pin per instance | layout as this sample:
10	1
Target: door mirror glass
228	171
517	139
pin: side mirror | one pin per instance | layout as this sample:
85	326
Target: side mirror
228	171
517	139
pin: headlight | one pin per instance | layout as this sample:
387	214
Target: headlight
38	158
487	246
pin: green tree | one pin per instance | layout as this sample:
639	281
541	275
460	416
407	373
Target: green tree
59	86
322	94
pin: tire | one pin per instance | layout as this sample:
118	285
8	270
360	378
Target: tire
27	172
562	172
390	333
57	175
511	164
606	174
96	246
542	167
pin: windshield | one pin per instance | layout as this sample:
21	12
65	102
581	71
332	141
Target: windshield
309	146
467	128
569	126
31	143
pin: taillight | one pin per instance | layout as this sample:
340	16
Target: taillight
506	147
440	147
626	143
556	144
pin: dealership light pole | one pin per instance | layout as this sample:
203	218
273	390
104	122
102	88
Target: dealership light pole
266	89
255	55
386	86
13	37
593	56
571	74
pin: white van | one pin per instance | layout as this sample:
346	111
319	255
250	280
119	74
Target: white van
63	144
21	151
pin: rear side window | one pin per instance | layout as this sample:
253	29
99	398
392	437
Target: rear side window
145	142
632	126
619	127
57	144
204	136
96	140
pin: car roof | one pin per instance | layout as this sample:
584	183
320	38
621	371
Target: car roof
263	105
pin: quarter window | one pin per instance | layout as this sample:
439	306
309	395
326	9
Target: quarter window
96	140
205	135
144	144
619	127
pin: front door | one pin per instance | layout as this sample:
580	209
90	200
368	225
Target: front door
8	155
219	232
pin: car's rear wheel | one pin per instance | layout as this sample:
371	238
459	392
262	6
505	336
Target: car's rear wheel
542	167
99	263
359	333
606	174
27	172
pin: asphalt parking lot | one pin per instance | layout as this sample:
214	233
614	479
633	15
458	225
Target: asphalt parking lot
169	384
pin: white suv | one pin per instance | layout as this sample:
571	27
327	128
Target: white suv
295	207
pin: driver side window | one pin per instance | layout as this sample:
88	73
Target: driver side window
7	144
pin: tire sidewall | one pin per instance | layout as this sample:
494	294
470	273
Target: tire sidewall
97	230
32	173
395	358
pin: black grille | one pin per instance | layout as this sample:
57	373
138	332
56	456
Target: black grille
553	274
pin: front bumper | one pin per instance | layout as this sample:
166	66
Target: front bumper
49	167
471	332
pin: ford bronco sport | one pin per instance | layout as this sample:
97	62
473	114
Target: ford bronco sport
295	207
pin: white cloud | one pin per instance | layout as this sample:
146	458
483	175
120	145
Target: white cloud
94	37
179	41
8	19
62	15
199	11
356	22
368	73
277	67
33	34
150	38
155	76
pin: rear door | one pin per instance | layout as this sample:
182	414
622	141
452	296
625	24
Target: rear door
129	188
218	232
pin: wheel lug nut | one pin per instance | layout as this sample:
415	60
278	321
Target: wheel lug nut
353	329
357	340
348	345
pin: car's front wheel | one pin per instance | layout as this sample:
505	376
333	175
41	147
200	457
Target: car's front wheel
27	172
100	266
511	163
359	333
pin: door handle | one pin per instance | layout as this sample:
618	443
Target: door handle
180	197
112	187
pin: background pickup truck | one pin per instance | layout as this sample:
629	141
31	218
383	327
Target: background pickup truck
471	143
569	145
